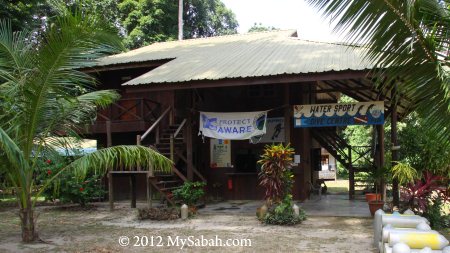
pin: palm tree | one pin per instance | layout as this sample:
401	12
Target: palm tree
408	41
43	95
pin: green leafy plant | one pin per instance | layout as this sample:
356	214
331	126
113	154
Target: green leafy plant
434	213
276	175
283	214
404	173
190	193
68	188
43	93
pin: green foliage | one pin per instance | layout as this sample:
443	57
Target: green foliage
258	27
421	149
68	188
149	21
434	213
407	41
404	173
276	175
23	14
283	213
43	94
190	193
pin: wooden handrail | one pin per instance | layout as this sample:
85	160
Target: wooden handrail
179	128
156	123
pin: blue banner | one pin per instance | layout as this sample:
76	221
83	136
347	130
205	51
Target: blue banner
324	115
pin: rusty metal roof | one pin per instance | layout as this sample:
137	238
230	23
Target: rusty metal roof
240	56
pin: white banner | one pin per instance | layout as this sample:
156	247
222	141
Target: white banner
232	125
275	131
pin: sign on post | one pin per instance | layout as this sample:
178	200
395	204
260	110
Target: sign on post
323	115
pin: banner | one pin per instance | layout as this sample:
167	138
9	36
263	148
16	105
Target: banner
232	125
274	131
322	115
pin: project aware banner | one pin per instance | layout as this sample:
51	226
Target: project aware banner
322	115
232	125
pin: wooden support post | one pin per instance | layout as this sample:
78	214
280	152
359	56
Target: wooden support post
172	148
157	135
110	191
108	134
138	142
380	129
351	176
133	190
394	150
190	172
149	191
171	116
287	115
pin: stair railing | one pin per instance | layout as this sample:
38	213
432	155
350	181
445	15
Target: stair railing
155	125
172	139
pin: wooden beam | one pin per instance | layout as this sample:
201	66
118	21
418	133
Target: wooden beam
122	66
110	192
189	146
287	114
108	134
380	129
149	190
244	81
395	153
133	190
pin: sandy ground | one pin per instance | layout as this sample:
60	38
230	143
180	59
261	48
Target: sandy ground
99	230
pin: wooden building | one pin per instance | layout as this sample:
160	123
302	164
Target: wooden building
164	86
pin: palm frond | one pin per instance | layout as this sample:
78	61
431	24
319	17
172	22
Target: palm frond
126	157
408	42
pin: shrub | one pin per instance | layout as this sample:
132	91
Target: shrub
434	213
67	188
190	193
158	214
276	176
283	214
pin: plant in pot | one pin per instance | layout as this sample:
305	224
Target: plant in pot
377	176
190	193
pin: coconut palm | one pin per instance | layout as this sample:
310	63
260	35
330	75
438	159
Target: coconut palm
44	95
408	42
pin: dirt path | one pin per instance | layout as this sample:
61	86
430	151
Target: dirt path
99	231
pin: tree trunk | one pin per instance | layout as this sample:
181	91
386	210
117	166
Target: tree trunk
28	223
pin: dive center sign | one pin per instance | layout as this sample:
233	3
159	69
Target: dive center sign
318	115
232	125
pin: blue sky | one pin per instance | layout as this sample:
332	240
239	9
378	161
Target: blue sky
283	14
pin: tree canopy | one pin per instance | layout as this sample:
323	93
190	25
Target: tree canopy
259	27
149	21
138	22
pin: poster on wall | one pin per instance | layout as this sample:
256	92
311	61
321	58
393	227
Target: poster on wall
220	153
232	125
322	115
274	131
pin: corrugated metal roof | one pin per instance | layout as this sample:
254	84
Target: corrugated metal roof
239	56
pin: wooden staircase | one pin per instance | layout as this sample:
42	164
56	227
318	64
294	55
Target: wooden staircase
354	158
171	143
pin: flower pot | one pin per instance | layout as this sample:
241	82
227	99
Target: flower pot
372	196
374	205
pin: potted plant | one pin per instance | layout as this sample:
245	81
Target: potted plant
190	193
377	176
